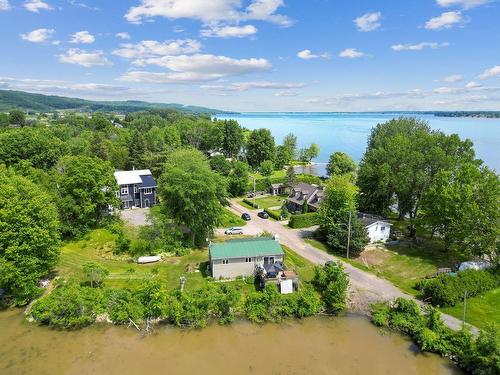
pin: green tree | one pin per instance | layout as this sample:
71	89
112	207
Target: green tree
266	168
282	157
233	138
332	282
136	151
29	237
238	179
290	144
291	178
4	119
340	163
86	189
17	116
260	147
95	273
333	217
462	205
219	164
192	194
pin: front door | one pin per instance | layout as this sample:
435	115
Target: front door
146	203
268	260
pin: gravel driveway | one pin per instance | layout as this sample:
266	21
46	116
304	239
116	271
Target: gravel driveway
135	216
365	288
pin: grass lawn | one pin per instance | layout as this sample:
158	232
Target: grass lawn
230	219
276	174
265	202
481	310
97	247
303	267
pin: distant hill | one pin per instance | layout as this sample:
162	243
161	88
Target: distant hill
50	103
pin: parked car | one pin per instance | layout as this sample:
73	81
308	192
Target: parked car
234	230
263	215
246	217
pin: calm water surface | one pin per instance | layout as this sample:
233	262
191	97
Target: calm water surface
347	345
348	132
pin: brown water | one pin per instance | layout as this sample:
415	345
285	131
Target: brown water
348	345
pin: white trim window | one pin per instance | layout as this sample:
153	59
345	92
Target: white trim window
135	189
148	190
225	261
124	190
248	260
117	194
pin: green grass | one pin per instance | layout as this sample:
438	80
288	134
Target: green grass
230	219
270	201
276	174
303	267
97	247
481	310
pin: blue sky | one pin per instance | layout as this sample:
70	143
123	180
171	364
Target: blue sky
258	55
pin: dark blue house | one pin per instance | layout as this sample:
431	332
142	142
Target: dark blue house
137	188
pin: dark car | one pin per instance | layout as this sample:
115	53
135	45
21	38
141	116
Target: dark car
246	217
263	215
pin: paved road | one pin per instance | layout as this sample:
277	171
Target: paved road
365	288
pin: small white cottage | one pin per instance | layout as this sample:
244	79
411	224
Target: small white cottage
379	229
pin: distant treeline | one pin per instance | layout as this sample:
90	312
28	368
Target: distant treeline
482	114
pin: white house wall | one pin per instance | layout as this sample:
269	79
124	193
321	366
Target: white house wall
379	231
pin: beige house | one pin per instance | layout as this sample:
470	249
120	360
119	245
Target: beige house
242	257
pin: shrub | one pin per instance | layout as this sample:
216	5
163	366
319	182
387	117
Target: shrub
274	214
123	306
380	314
303	220
69	306
448	290
332	283
250	203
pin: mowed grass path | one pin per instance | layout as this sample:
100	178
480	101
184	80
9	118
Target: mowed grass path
98	246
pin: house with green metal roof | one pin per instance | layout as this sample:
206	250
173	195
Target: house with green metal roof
242	257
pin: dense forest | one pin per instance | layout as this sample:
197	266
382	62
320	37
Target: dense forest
49	103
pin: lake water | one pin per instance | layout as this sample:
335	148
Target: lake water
348	132
347	345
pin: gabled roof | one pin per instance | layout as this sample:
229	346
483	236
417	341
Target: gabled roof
148	181
369	219
131	177
249	247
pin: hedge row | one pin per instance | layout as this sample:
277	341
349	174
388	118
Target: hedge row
448	290
276	215
303	220
250	203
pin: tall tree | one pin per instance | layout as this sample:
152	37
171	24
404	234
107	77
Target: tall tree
136	151
86	189
17	117
29	237
291	178
340	163
233	138
260	147
333	216
290	144
238	179
192	194
463	206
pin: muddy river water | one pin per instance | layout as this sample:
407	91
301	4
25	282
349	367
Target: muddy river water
345	345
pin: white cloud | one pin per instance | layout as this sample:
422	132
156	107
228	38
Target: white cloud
419	46
36	5
466	4
473	85
453	78
308	55
286	93
84	58
229	31
368	21
195	68
351	53
4	5
123	35
38	35
492	72
153	48
209	11
245	86
445	21
83	37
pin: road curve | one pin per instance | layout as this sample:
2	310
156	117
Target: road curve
365	288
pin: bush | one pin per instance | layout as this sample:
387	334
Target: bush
123	306
69	306
476	356
447	290
250	203
332	283
303	220
274	214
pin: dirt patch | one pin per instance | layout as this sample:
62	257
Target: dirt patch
373	256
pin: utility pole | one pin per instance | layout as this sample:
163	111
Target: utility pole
349	234
254	190
465	307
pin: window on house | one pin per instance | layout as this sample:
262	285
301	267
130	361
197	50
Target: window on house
118	194
148	191
225	261
135	188
124	190
382	229
248	260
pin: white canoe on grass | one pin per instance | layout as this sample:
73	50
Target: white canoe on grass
150	259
